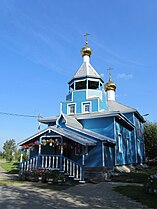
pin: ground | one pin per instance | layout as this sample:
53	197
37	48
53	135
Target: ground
83	196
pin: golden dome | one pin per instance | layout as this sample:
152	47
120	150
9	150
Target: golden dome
110	85
86	50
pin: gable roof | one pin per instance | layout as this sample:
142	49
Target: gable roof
86	70
38	134
48	120
68	121
94	135
74	136
72	120
116	106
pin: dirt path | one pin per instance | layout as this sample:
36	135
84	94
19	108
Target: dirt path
83	196
5	176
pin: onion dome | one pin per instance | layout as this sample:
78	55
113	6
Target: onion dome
86	50
110	85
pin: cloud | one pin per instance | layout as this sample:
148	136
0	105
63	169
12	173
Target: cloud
124	76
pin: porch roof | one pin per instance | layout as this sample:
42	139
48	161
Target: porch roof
77	137
35	136
92	134
81	139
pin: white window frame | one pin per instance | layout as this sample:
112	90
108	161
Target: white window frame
68	108
84	106
120	142
78	82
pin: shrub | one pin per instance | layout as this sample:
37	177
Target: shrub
151	185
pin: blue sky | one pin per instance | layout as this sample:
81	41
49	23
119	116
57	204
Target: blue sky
40	43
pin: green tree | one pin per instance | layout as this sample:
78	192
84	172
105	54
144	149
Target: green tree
150	136
9	148
1	155
17	155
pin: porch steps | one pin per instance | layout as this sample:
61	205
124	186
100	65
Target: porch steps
70	169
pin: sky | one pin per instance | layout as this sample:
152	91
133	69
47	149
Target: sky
40	43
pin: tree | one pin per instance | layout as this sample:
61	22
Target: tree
9	148
150	136
1	155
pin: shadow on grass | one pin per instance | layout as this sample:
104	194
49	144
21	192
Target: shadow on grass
139	194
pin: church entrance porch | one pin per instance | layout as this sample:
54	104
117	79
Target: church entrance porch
49	155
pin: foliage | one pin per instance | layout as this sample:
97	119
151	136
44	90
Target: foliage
135	176
46	175
150	136
151	185
138	193
1	155
17	155
11	167
9	148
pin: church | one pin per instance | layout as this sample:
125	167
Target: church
93	133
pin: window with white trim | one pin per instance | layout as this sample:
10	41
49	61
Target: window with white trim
71	109
87	107
119	143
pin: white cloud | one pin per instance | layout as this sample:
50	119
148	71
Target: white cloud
124	76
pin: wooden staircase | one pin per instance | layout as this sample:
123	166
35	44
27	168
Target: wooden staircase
60	163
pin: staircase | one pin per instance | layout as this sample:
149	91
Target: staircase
59	163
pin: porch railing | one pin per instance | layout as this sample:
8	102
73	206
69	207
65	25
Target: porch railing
54	162
30	164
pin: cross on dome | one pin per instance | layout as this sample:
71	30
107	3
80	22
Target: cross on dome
86	50
110	76
87	34
110	85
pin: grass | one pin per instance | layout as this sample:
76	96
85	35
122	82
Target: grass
11	167
138	193
10	182
136	176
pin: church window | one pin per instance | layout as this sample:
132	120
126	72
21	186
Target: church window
93	85
120	142
71	109
80	85
86	107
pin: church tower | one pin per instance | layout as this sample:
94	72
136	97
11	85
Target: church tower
110	88
86	88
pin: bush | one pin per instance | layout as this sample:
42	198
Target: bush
151	185
45	175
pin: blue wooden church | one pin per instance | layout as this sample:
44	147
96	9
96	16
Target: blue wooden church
93	132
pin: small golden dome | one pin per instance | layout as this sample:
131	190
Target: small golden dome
110	85
86	50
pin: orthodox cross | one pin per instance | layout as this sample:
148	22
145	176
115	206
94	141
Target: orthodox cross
87	34
109	69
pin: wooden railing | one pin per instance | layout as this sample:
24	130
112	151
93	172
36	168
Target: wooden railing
30	164
54	162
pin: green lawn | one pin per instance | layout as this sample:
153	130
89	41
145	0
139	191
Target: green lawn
136	176
11	167
138	193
